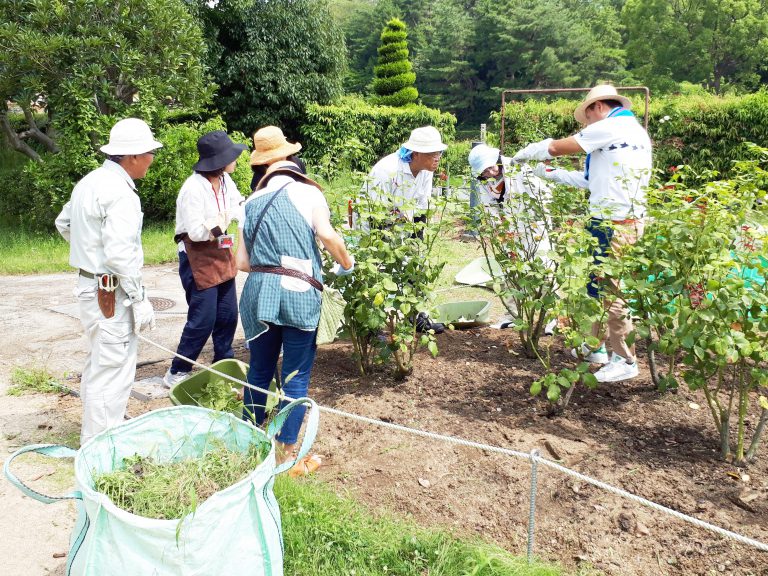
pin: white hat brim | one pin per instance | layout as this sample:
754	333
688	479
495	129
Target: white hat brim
130	149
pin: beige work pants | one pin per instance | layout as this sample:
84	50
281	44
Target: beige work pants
110	366
619	319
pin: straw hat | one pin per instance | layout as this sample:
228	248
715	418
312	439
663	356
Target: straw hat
216	150
129	137
289	169
270	144
599	92
425	139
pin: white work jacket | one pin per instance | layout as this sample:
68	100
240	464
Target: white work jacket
199	209
390	176
102	223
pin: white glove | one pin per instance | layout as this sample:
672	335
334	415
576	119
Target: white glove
544	171
339	270
535	151
143	314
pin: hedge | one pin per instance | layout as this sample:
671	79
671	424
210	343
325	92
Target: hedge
355	135
707	132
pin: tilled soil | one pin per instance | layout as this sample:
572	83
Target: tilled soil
660	447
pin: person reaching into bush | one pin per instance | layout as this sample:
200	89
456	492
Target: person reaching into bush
405	179
280	304
617	172
207	202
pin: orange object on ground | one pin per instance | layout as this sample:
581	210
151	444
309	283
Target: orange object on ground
306	466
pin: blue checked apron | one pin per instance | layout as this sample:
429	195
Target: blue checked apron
283	231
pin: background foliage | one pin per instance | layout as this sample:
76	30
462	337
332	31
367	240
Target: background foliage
271	59
353	135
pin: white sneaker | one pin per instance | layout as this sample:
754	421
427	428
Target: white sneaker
617	370
599	356
170	380
549	329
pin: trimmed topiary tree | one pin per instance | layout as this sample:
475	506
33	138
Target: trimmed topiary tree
394	78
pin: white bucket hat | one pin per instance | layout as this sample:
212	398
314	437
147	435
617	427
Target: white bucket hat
130	136
599	92
425	139
481	157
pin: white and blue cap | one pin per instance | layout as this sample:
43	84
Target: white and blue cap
481	157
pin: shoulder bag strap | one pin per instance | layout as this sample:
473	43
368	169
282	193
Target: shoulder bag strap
275	194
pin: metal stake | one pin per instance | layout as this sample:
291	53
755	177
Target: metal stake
532	511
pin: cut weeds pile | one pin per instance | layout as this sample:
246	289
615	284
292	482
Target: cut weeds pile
171	490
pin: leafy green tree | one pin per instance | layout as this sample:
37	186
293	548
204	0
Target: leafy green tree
270	59
447	79
713	43
87	62
393	76
545	43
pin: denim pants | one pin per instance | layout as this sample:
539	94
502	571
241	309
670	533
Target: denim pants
298	355
212	312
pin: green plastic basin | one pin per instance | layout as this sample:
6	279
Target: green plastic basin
185	390
467	314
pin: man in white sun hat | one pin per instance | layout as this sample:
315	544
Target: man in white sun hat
102	223
406	175
617	171
405	179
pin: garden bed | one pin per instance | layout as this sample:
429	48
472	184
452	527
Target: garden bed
661	447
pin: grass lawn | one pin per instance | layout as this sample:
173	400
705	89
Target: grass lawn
326	534
23	252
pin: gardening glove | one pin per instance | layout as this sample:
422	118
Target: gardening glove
143	315
535	151
561	176
543	171
339	270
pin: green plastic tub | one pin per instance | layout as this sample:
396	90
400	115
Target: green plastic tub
467	314
185	390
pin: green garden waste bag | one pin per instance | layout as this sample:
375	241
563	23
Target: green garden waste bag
235	531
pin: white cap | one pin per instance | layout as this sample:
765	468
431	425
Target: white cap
425	139
481	157
130	136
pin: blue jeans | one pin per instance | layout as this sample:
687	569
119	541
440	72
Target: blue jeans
298	355
212	312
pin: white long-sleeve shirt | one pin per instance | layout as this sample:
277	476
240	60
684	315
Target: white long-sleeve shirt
199	209
102	223
393	177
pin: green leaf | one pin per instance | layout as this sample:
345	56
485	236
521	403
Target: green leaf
553	393
590	381
536	388
432	347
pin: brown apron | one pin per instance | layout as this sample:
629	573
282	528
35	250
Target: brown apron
210	264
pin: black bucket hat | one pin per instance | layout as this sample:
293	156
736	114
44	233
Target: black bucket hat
216	150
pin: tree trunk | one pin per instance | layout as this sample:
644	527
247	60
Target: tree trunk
14	140
38	134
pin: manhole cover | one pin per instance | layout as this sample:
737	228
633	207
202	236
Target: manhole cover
161	304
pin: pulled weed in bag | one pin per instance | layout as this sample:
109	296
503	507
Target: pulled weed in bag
171	490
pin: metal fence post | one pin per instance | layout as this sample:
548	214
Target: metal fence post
474	201
532	510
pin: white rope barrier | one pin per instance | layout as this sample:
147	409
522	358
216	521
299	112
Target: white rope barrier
533	456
